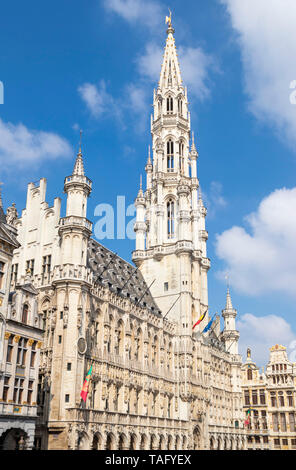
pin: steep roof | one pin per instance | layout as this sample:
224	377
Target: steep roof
121	277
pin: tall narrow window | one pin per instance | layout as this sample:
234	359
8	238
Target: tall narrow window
9	348
22	352
30	267
171	218
14	272
5	389
180	106
181	157
283	422
292	422
33	354
25	314
2	265
170	105
170	155
250	375
18	390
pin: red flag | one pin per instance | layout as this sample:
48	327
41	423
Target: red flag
200	320
84	390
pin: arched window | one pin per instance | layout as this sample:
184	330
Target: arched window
180	106
171	218
250	375
181	157
25	314
170	105
159	108
170	155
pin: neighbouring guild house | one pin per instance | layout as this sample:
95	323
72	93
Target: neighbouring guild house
269	402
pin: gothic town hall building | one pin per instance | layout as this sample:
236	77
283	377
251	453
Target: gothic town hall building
69	303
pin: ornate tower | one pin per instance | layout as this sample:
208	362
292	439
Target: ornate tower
230	335
70	302
75	229
170	230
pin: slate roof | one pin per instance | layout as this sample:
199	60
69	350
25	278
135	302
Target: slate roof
6	234
121	277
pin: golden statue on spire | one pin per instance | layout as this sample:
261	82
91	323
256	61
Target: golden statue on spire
168	19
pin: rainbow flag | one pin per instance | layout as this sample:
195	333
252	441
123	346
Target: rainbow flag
84	390
200	320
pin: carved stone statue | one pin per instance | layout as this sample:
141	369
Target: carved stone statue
11	215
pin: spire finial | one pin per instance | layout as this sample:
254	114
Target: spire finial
168	20
228	296
79	167
141	182
80	142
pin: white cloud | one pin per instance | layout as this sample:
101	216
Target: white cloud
261	333
97	99
213	199
263	259
267	35
22	146
142	12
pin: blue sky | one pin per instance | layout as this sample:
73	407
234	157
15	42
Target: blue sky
93	65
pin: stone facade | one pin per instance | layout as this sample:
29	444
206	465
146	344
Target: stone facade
20	342
156	382
270	399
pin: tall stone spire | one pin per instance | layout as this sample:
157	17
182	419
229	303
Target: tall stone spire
170	75
170	229
78	188
228	300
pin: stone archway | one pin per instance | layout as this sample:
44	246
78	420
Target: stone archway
170	443
144	442
97	442
133	442
219	445
83	442
14	439
162	443
110	442
178	443
196	439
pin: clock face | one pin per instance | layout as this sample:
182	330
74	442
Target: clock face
82	345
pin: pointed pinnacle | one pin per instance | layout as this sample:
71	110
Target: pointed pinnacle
228	300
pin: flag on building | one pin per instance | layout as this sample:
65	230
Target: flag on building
84	390
209	325
200	320
247	421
